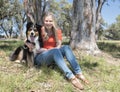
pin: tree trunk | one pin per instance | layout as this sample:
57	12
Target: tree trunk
5	31
100	3
83	30
21	32
36	9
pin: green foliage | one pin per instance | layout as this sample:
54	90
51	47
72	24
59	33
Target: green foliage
63	13
11	14
9	8
113	32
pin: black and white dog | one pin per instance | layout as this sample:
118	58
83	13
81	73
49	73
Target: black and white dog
33	36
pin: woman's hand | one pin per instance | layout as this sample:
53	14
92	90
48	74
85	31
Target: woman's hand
41	50
30	46
44	34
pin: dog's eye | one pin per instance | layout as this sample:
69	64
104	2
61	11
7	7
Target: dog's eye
30	29
35	29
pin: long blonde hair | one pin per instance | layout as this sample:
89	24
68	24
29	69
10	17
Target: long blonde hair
55	28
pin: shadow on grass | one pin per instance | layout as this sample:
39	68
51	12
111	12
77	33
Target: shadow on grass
65	43
111	48
10	42
90	65
9	45
6	47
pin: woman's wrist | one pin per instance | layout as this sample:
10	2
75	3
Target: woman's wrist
41	50
44	34
58	44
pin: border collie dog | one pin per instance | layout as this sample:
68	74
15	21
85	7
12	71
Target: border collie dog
33	36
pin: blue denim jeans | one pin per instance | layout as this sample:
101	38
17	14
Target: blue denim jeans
57	56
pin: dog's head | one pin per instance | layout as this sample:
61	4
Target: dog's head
33	31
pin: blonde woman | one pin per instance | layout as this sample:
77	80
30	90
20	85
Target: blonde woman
53	51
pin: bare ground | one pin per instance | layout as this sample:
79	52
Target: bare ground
107	57
110	59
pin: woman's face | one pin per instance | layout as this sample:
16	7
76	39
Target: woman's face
48	22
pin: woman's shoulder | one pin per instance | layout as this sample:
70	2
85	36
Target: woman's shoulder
59	30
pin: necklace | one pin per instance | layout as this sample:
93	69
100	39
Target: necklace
50	32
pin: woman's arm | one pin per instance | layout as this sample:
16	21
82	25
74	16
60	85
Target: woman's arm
59	43
44	34
30	46
41	50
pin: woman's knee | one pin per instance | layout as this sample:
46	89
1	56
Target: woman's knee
66	47
57	53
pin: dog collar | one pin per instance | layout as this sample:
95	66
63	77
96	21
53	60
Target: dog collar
30	42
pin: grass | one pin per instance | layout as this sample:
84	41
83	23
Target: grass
112	47
15	77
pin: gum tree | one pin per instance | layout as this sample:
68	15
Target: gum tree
35	9
86	21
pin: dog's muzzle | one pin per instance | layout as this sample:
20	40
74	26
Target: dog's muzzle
32	34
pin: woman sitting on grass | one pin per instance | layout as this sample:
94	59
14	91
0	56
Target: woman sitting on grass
54	52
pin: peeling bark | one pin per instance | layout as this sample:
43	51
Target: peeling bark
84	26
34	8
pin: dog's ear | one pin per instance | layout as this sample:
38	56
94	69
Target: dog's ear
38	26
39	31
29	24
